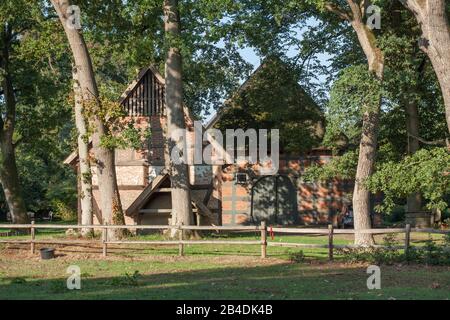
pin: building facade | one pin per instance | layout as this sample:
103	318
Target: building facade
221	194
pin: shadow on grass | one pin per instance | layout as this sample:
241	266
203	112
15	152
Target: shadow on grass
281	281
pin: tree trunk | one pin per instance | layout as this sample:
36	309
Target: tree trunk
369	135
9	177
414	201
371	116
179	174
85	173
110	204
435	42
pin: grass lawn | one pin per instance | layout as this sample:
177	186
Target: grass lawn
210	272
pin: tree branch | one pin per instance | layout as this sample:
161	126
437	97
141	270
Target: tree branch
356	10
341	13
414	7
441	142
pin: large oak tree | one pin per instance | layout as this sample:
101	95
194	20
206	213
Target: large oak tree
179	174
110	204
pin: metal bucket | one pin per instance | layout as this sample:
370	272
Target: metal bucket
47	253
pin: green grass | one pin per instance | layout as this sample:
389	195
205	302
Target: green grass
215	278
210	272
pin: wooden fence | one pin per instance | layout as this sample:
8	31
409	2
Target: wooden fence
181	241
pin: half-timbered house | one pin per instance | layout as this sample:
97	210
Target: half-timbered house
221	194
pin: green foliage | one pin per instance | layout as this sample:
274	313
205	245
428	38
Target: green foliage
296	256
18	280
447	240
434	254
128	280
63	211
121	132
409	81
374	255
430	254
343	167
396	215
355	91
125	37
40	72
426	172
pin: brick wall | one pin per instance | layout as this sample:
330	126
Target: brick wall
316	203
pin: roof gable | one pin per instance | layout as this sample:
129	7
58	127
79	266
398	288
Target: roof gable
145	95
267	67
272	98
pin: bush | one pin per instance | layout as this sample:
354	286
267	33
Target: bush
430	254
446	214
436	255
297	256
388	255
397	215
64	211
126	280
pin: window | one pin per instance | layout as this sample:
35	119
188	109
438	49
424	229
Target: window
241	178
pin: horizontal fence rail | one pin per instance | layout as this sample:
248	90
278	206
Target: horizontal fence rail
181	241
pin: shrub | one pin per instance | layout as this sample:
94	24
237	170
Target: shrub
447	240
412	255
370	255
430	253
397	215
436	255
126	280
64	211
296	256
18	280
356	255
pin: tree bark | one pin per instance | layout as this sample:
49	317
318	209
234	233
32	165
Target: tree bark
110	204
432	18
414	200
85	173
369	135
9	179
9	176
179	174
371	116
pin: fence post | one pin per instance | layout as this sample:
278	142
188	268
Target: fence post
407	236
105	239
180	238
33	236
330	242
263	240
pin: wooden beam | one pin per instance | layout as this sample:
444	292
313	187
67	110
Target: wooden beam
146	193
127	187
155	211
203	210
